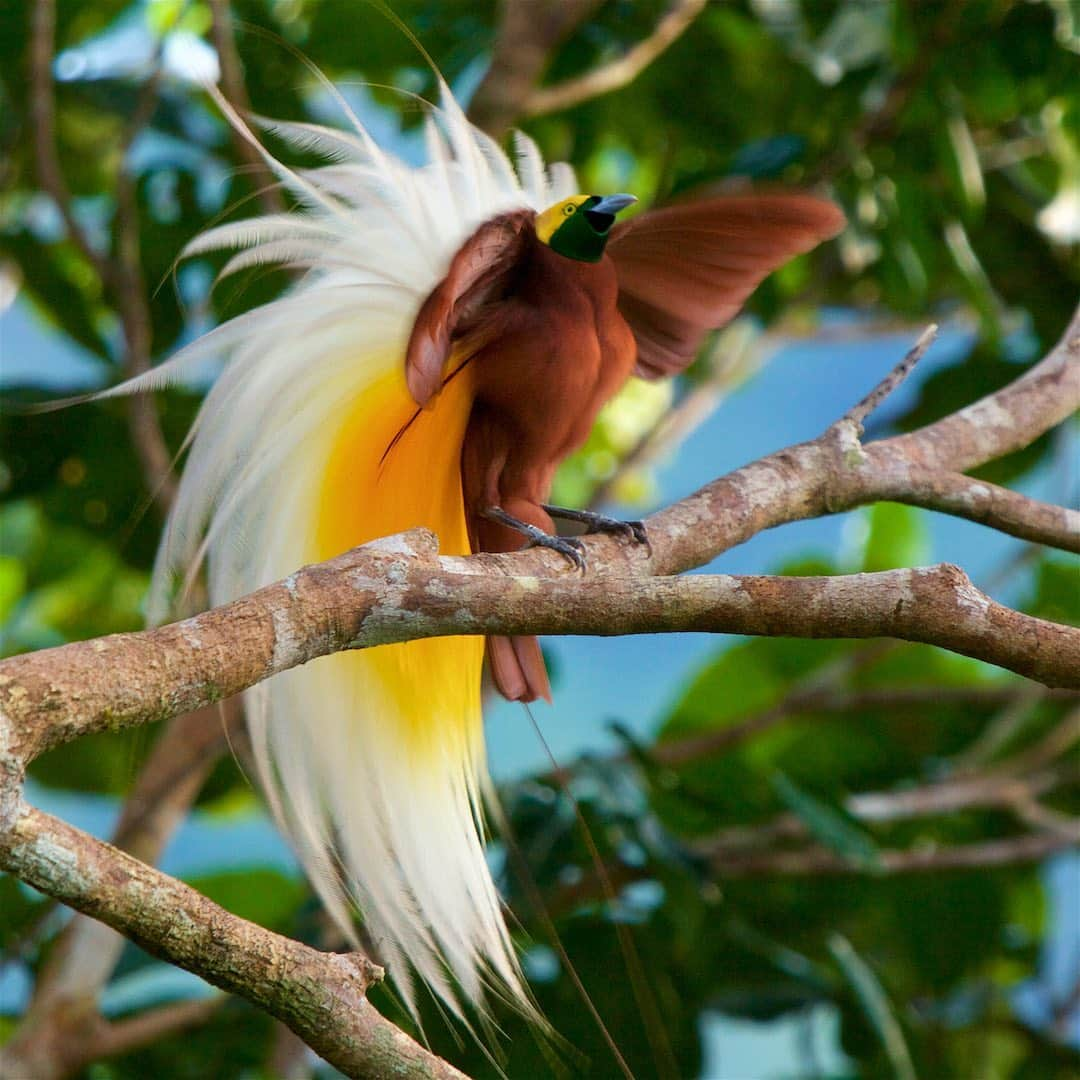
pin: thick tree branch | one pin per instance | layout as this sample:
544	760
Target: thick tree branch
321	996
62	1030
402	590
618	73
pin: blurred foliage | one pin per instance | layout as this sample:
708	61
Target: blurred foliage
950	132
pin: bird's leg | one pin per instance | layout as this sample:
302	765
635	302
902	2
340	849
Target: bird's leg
570	547
600	523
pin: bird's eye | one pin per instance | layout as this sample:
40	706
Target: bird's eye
568	210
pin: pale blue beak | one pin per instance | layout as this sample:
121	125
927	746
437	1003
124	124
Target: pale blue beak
601	215
612	204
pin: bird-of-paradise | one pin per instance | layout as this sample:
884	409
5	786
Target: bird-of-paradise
455	331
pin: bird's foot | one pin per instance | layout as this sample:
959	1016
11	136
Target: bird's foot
570	547
633	530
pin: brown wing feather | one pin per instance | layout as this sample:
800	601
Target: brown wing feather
481	270
687	269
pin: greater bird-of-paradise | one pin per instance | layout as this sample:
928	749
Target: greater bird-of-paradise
457	328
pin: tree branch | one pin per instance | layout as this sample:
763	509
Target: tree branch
43	124
130	293
836	472
123	1036
402	590
814	699
62	1030
618	73
1027	847
121	275
321	996
528	32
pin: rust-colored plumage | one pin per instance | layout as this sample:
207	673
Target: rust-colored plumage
551	338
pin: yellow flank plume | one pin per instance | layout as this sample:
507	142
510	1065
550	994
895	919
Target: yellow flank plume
393	467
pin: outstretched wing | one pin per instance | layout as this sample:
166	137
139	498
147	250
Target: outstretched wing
687	269
480	271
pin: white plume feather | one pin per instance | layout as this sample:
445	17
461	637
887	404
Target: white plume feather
375	236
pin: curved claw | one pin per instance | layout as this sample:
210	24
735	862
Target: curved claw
632	530
637	531
570	547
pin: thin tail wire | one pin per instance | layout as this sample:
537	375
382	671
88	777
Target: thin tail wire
660	1046
536	901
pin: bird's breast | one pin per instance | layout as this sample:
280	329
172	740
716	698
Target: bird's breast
561	351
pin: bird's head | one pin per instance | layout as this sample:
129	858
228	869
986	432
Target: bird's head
578	227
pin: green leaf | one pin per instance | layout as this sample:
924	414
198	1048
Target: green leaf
829	824
875	1005
1057	590
261	896
897	537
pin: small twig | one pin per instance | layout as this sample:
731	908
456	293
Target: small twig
1029	847
618	73
1059	740
858	413
816	699
1032	812
123	1036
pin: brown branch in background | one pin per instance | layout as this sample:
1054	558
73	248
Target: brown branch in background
529	30
43	121
1027	847
120	275
815	700
130	293
617	73
321	996
817	861
268	190
123	1036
